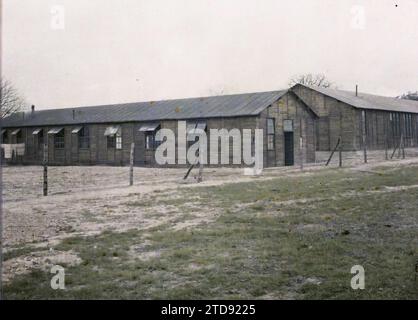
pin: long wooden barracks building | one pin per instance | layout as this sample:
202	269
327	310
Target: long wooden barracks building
296	123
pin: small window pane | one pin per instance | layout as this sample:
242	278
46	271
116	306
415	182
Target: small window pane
118	142
150	140
270	142
270	126
59	140
40	136
5	137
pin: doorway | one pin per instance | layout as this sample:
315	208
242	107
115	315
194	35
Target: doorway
288	149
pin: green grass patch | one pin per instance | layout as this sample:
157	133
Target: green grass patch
259	246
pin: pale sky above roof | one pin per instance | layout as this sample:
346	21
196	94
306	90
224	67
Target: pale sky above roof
104	52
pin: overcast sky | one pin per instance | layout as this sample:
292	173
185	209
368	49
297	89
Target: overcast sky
66	53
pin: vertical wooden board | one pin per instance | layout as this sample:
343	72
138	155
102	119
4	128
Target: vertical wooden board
45	167
139	140
74	148
30	154
94	144
101	143
66	154
131	164
127	139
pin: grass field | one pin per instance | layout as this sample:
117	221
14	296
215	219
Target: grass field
291	237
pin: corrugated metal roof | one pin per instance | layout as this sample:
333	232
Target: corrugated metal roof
369	101
192	108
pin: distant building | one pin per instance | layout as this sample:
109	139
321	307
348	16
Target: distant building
383	120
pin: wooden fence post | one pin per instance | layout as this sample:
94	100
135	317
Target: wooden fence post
131	165
1	223
200	174
45	163
340	152
333	151
397	146
301	144
386	140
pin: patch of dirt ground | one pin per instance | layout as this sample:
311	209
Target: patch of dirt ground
85	201
42	260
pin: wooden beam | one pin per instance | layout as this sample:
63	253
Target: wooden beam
45	163
333	151
340	153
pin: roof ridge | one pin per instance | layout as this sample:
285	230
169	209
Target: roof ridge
163	100
244	104
359	93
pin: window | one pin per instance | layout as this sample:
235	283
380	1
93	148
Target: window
114	137
84	138
118	142
4	137
19	137
59	140
270	142
111	142
149	140
270	133
40	138
150	130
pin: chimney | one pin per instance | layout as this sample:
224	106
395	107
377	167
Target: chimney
33	109
356	90
73	114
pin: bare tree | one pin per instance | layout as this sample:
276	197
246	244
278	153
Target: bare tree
316	80
10	99
409	96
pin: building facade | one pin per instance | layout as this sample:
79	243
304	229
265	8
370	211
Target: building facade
296	123
103	135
